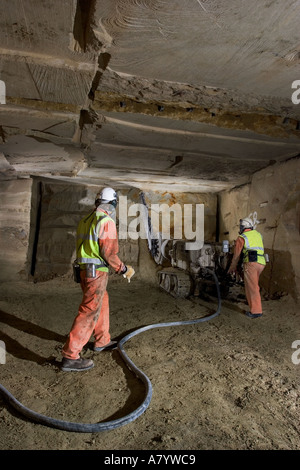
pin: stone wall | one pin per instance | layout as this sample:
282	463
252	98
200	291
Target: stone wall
61	207
38	220
15	196
57	208
272	199
183	200
39	217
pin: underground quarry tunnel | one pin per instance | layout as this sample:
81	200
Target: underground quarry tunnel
179	105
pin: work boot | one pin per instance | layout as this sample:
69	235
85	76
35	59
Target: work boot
110	345
253	315
76	365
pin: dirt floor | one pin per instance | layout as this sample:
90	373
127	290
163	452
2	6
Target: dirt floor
228	383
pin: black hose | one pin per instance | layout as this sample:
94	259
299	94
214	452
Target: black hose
109	425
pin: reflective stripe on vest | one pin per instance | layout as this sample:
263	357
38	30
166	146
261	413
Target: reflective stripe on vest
87	239
253	241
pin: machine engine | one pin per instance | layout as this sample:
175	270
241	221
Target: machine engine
185	272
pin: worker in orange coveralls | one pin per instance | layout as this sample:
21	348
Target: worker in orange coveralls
250	244
97	249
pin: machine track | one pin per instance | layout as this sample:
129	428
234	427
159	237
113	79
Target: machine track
176	282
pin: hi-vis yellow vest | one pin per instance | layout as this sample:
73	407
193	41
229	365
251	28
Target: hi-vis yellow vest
253	241
87	246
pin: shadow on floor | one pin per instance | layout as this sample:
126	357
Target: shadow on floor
15	348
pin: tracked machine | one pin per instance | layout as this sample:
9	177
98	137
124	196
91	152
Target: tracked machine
185	272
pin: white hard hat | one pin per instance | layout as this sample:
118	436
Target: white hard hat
108	195
245	223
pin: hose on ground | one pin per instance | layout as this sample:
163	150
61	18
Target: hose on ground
109	425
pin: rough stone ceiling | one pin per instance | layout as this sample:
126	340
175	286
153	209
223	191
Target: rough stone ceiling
185	95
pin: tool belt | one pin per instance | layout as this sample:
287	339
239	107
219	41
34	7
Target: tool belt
87	266
253	256
90	269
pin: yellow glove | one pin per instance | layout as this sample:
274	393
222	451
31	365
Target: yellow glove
129	273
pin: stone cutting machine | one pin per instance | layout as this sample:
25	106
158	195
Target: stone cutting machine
185	272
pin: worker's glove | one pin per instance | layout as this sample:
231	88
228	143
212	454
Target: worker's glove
129	273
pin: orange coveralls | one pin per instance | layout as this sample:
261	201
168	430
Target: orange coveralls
93	312
252	272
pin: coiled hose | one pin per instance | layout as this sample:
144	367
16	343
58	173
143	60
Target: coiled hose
109	425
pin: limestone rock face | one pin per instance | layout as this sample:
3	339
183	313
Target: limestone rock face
272	200
61	208
180	100
15	211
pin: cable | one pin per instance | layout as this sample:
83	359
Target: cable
109	425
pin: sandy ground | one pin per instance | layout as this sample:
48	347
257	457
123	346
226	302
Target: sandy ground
229	383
